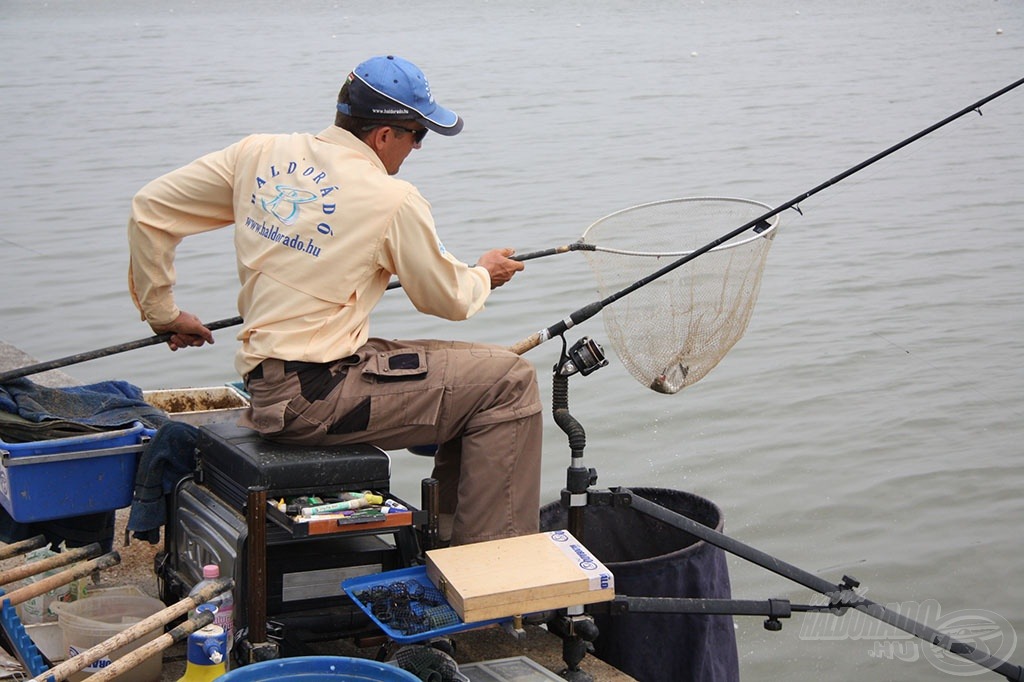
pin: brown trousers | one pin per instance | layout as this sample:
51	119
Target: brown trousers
479	403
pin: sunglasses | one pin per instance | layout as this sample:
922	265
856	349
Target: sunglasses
417	134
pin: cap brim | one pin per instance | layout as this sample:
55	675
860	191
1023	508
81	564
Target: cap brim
442	121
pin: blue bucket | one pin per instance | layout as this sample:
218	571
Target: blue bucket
319	669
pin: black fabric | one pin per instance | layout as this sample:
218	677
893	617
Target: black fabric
392	366
167	458
357	419
73	531
316	380
652	559
404	361
255	373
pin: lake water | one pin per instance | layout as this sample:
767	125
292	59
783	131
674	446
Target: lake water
871	420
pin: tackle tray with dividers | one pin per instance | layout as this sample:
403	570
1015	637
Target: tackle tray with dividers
298	526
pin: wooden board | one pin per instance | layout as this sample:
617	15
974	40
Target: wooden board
520	575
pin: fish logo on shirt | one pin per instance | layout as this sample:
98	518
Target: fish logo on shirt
285	206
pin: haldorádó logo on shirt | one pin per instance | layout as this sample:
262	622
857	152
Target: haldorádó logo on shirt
286	201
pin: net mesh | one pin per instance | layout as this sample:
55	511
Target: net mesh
671	332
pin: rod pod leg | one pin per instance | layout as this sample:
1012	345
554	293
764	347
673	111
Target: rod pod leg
577	632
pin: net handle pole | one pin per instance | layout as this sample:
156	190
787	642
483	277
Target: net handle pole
588	311
220	324
554	250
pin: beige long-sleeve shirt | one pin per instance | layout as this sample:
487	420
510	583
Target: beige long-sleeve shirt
320	228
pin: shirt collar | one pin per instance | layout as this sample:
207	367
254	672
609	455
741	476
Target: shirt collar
343	138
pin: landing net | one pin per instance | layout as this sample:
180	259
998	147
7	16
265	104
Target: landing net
670	333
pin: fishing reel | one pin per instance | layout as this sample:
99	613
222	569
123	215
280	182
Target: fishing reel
585	357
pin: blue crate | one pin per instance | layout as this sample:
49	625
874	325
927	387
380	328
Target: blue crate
62	477
446	620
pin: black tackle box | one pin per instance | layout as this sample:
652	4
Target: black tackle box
305	562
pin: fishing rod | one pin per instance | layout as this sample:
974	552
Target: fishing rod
221	324
108	350
588	311
584	313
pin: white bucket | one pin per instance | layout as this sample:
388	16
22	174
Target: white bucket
90	621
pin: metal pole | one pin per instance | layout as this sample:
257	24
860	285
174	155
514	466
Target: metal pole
842	595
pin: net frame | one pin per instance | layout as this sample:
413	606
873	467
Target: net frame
674	330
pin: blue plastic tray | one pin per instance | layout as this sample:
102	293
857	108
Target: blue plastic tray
431	605
62	477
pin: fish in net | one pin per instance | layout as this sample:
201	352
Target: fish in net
674	330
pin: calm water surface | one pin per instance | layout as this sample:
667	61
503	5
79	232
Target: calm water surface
869	423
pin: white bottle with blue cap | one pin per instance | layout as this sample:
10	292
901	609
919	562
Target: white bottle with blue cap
224	603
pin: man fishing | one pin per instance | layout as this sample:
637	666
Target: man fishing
321	226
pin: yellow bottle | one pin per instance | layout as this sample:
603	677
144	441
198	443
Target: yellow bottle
207	652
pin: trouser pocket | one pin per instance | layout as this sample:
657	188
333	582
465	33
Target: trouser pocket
402	389
403	364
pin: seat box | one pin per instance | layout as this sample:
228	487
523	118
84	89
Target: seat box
233	459
301	574
517	576
64	477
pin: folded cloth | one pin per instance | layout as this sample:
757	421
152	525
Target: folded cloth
104	405
166	459
15	429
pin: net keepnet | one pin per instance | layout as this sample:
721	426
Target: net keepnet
671	332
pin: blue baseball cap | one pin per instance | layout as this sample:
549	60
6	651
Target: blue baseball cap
393	88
